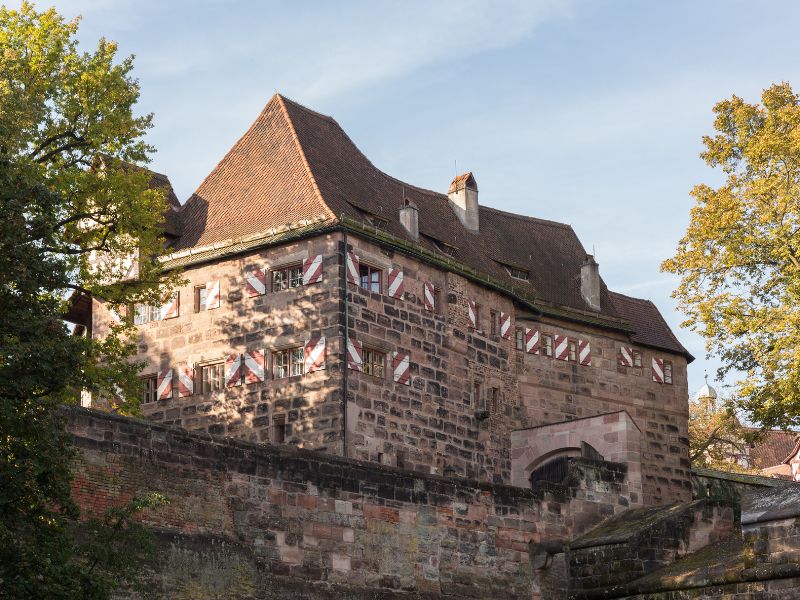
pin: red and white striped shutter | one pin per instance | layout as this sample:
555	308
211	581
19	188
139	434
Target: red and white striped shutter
505	325
164	383
312	269
658	370
212	294
185	381
531	341
584	353
233	370
170	305
428	297
314	353
352	268
256	281
355	355
253	366
396	285
401	368
473	319
561	343
626	356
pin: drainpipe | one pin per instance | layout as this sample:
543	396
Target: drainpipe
346	340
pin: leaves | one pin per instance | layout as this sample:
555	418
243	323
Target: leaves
739	260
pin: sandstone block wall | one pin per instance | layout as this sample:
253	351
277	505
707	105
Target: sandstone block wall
277	521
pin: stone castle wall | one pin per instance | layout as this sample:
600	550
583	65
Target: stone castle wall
257	521
430	425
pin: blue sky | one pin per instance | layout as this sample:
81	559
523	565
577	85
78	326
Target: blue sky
589	113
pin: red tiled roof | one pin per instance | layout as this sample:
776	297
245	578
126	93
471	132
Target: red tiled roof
294	164
773	448
649	327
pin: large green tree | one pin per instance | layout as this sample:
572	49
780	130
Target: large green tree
739	261
73	214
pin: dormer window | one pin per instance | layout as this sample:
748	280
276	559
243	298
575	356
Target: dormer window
442	247
517	273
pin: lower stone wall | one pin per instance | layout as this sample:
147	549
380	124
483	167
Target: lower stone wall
773	589
260	521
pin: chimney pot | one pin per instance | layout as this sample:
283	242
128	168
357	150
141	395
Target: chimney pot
463	194
590	282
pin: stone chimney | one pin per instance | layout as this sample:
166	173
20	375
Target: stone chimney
590	282
463	194
409	218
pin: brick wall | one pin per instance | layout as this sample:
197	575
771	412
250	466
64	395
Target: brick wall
277	521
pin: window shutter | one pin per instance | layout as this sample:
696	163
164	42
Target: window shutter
314	354
254	366
658	370
531	341
584	353
401	368
164	383
212	294
471	314
185	381
561	343
396	285
256	281
233	370
625	356
170	305
428	297
312	269
505	325
355	355
353	268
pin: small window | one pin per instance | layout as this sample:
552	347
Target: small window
445	248
494	399
667	371
213	377
144	313
519	339
573	350
370	278
637	358
287	278
288	363
374	363
279	429
547	345
477	396
517	273
200	294
493	320
437	301
477	316
149	389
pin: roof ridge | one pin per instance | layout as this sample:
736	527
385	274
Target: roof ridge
299	147
526	217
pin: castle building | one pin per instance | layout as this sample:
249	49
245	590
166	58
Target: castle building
334	307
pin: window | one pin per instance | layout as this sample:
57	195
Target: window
637	358
374	362
213	377
573	350
494	398
144	313
493	319
199	298
287	278
477	397
370	278
547	345
477	316
517	273
445	248
437	301
667	371
149	389
288	363
279	429
519	339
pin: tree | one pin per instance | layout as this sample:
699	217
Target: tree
717	439
739	261
73	209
